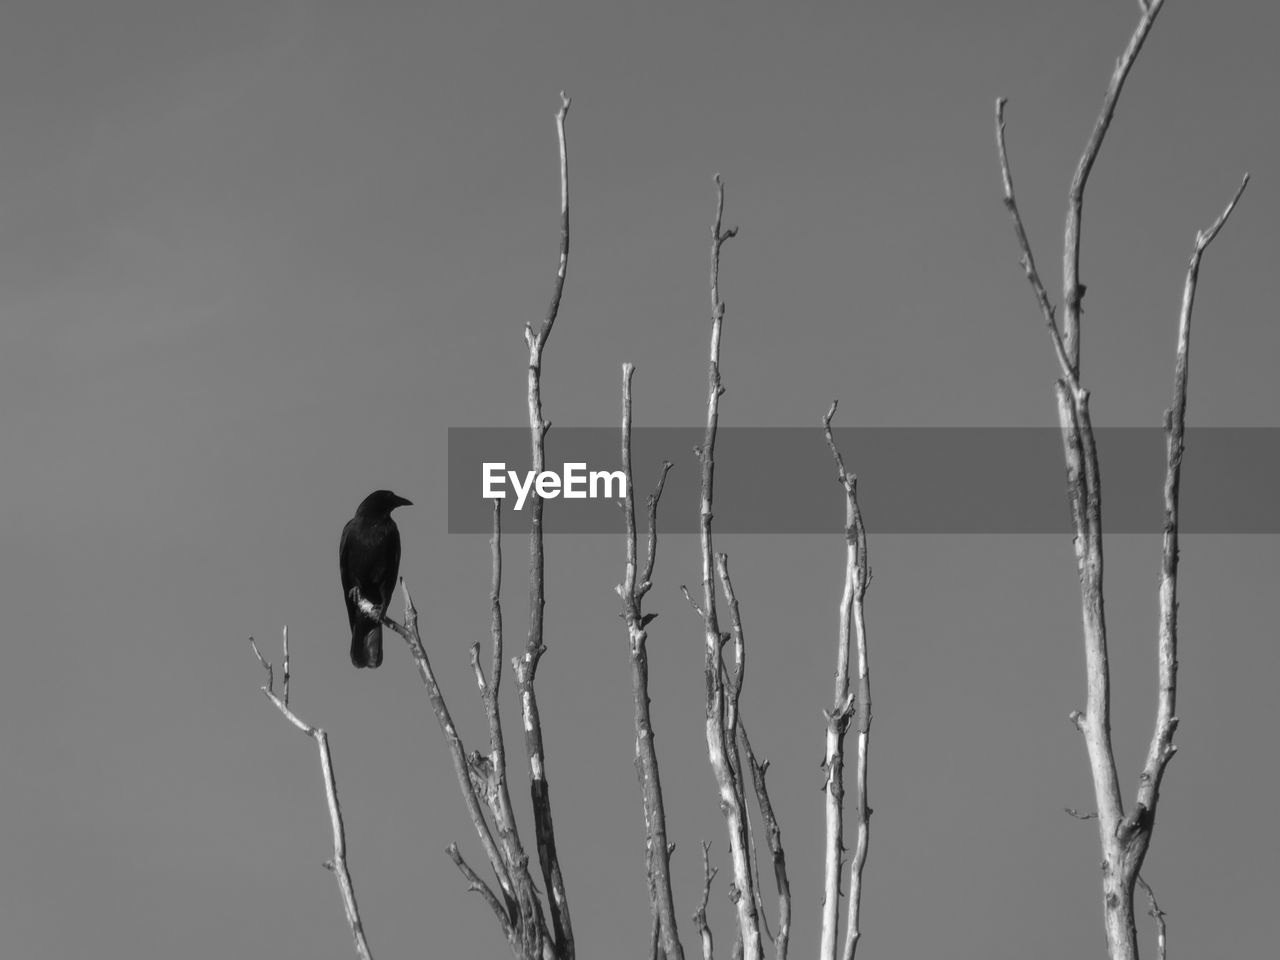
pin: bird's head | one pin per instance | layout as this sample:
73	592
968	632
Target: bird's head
380	503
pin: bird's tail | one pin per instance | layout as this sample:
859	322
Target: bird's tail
366	645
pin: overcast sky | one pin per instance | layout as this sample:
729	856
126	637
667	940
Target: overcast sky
257	257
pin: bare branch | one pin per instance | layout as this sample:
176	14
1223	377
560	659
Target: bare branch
1158	915
1028	258
1084	487
562	270
284	679
409	632
646	579
1161	748
1124	838
339	862
1073	812
739	646
700	915
483	778
527	666
495	608
833	755
475	883
1206	237
1072	289
721	742
657	857
773	834
852	642
692	602
481	683
504	815
734	729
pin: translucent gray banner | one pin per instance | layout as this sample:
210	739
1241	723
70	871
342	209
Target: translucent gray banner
910	480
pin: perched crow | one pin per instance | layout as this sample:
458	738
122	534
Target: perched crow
369	556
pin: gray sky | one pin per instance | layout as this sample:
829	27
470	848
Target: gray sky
256	258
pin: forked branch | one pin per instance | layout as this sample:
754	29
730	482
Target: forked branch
514	890
700	915
1124	838
632	591
338	865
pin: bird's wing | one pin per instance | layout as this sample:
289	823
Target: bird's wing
393	566
344	564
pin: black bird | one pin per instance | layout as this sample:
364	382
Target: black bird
369	557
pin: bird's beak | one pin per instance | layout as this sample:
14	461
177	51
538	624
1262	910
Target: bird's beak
403	502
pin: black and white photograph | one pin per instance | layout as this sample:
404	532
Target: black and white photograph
670	481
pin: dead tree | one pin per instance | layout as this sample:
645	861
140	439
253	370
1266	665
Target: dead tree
537	926
1125	837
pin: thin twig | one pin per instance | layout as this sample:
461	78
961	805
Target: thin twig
284	679
338	865
700	915
692	602
1072	288
478	671
1158	915
773	834
646	578
475	883
1028	258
